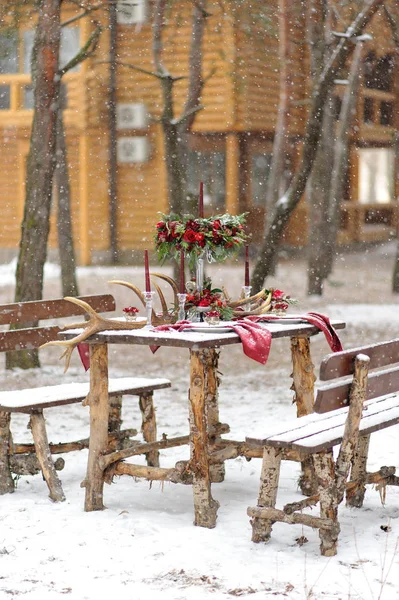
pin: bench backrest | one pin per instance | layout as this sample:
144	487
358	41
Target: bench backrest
340	366
39	310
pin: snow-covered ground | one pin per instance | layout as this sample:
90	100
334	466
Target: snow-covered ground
144	545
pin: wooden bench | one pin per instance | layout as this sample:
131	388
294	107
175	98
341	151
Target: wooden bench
32	458
373	399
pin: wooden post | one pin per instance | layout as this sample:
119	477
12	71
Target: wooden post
303	386
355	495
43	454
324	469
99	411
232	173
270	474
6	480
149	426
217	471
205	507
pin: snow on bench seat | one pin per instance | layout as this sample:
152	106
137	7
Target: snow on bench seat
317	431
30	400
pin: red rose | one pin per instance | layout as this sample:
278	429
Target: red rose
131	310
161	225
192	225
281	306
278	294
199	237
205	302
189	236
162	236
213	313
216	224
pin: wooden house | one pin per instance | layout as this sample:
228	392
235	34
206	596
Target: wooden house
118	176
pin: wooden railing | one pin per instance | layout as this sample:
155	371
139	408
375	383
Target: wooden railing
15	111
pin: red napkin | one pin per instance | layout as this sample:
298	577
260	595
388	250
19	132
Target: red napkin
320	321
256	340
84	353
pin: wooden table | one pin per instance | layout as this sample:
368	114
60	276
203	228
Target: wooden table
205	429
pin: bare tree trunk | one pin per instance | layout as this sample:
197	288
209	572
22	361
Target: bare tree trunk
340	161
64	220
289	201
41	165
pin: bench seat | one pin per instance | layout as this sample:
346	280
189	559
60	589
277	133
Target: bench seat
33	399
316	432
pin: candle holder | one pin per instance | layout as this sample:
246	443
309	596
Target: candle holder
199	274
149	298
246	291
181	315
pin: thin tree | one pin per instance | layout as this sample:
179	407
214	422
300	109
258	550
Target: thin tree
324	83
46	80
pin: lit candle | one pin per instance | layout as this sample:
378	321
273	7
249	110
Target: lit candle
182	282
147	272
246	266
201	201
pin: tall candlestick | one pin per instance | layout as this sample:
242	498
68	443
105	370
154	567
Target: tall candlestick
147	272
201	201
182	282
246	280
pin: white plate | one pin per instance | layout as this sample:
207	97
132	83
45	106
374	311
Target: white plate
205	328
283	321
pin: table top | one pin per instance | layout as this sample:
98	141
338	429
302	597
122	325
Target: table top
195	340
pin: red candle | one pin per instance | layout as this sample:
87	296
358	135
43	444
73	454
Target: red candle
201	201
182	282
246	266
147	272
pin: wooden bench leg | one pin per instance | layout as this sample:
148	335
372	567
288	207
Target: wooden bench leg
325	473
303	386
270	474
355	497
6	480
149	426
43	454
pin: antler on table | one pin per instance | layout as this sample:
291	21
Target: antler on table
262	308
165	317
95	324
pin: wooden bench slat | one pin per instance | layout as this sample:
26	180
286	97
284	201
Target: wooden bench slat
38	310
311	425
29	400
335	395
341	364
369	424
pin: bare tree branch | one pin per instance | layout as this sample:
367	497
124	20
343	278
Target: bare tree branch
86	11
157	29
85	52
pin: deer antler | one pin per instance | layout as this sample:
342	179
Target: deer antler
263	308
95	324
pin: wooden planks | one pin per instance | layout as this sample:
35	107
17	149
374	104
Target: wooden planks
342	363
38	310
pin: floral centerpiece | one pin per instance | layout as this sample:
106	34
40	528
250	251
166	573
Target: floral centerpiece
217	237
280	301
210	298
131	313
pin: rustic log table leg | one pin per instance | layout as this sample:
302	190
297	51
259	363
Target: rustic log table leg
303	386
217	471
6	480
149	426
99	413
201	372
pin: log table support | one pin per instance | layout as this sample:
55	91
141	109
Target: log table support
99	413
217	470
6	480
201	372
303	385
270	474
149	426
